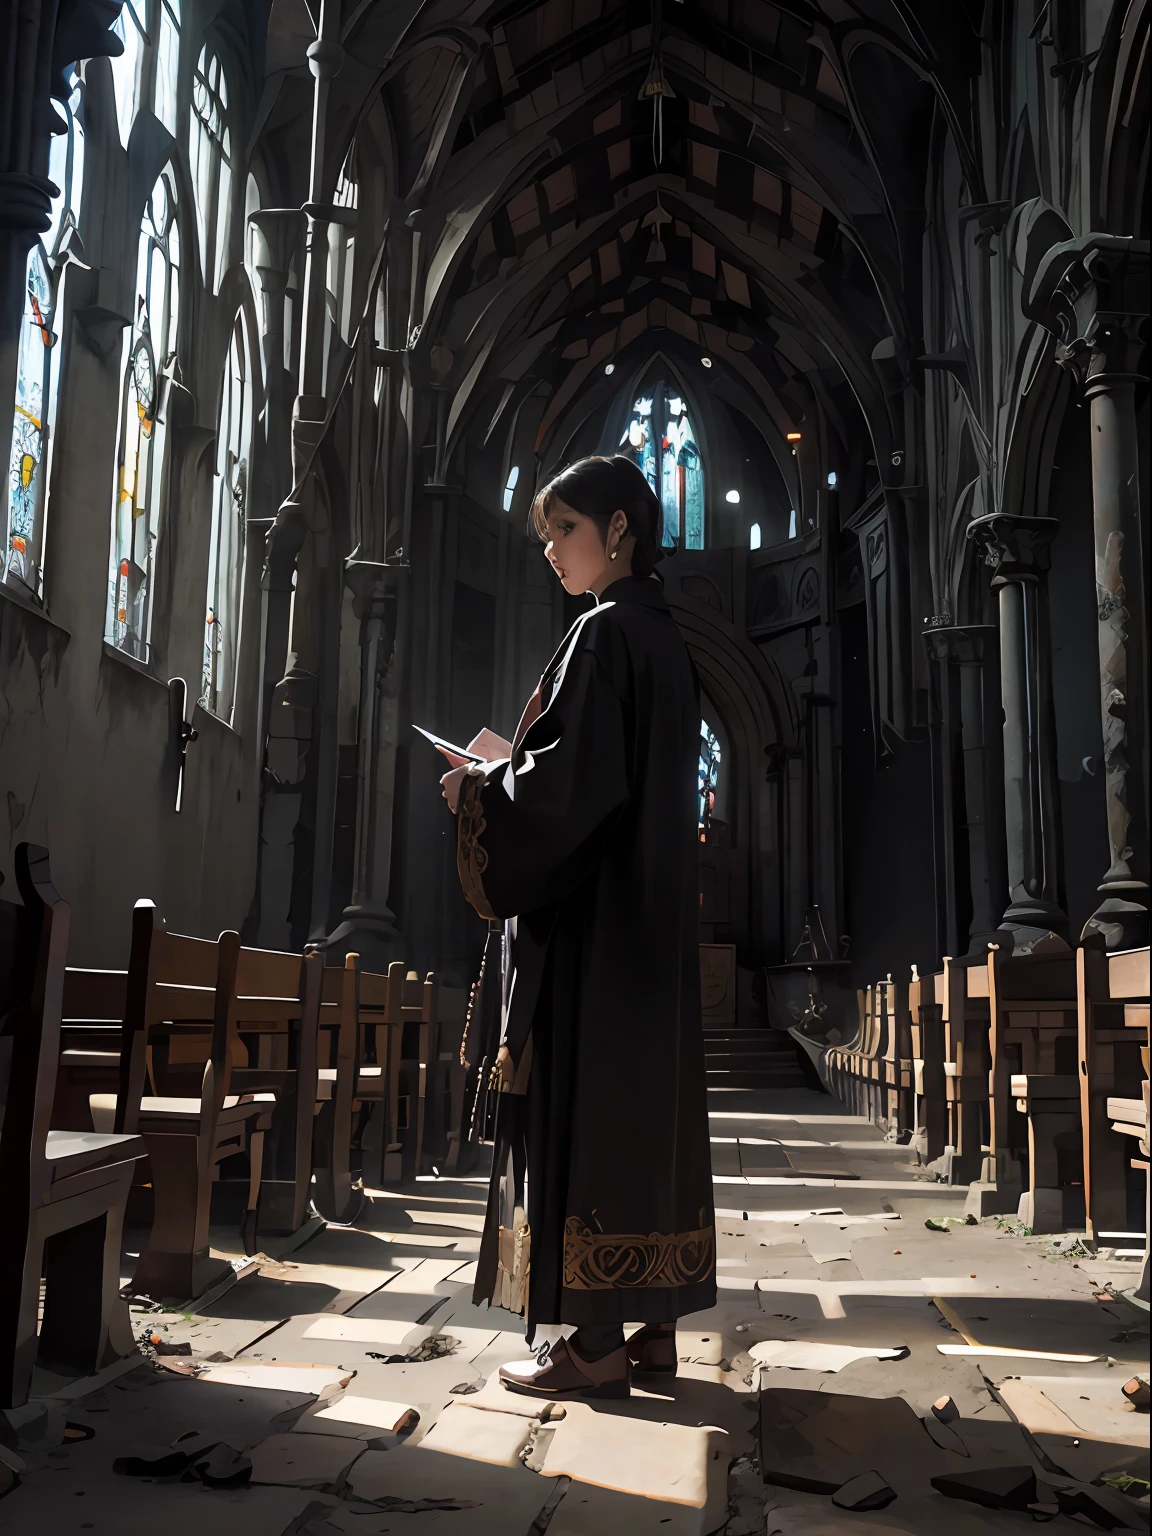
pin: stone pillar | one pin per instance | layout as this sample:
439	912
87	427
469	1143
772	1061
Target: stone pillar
970	708
1017	549
1092	294
369	926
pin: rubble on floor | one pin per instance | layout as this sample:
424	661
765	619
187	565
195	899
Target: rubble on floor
348	1383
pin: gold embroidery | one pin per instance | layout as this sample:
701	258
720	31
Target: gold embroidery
601	1261
471	859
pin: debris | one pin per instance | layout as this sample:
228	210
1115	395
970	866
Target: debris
395	1506
992	1487
808	1355
223	1467
944	1435
867	1491
1137	1393
466	1388
1105	1508
1124	1482
945	1410
170	1464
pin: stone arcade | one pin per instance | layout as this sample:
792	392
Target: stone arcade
300	305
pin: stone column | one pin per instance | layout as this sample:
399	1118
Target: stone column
1018	550
1092	294
369	925
970	699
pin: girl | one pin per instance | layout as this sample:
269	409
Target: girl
582	835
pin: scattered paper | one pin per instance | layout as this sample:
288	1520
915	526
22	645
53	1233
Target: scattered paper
808	1355
973	1350
463	1221
402	1336
371	1412
289	1377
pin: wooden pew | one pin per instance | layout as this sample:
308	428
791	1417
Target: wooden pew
1112	1025
1037	1161
967	1062
178	985
64	1191
926	1011
872	1073
345	1085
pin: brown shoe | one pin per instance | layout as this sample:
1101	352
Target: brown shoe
560	1371
652	1351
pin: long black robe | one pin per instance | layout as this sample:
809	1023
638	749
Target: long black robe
588	840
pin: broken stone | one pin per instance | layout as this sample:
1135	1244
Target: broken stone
170	1464
1111	1511
945	1410
867	1491
1137	1393
944	1435
223	1468
992	1487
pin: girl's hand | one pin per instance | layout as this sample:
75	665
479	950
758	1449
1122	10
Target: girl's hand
450	786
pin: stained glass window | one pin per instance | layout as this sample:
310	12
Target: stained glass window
708	774
149	360
38	361
210	161
226	552
166	19
672	465
132	29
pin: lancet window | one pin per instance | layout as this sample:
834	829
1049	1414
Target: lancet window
149	362
210	161
38	362
226	551
659	436
148	69
707	774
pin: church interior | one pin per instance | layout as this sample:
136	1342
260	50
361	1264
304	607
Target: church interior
302	302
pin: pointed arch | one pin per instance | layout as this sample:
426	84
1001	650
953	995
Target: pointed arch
226	550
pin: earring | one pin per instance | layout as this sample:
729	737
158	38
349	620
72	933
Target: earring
613	555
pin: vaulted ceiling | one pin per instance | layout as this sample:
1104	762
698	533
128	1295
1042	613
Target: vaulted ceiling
593	179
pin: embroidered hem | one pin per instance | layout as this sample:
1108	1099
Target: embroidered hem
513	1267
471	859
602	1261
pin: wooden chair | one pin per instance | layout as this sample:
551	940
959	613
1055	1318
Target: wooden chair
278	1007
929	1083
1112	1034
180	986
64	1191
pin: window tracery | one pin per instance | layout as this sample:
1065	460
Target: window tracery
671	463
149	67
38	361
149	363
222	631
210	162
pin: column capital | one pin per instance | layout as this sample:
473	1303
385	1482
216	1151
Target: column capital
1092	294
1017	548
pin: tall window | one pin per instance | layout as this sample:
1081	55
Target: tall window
148	69
210	159
38	363
671	463
226	552
707	774
149	363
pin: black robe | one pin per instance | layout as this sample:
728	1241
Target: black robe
588	841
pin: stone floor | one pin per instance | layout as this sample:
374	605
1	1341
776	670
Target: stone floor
355	1376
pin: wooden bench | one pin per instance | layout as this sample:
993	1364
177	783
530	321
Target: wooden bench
1035	1156
64	1191
929	1087
346	1083
967	1063
1112	1022
852	1067
184	986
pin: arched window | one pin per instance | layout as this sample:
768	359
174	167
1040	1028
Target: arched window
148	69
38	362
707	774
510	488
226	552
341	256
210	160
671	463
149	363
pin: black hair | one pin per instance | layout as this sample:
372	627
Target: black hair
597	487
